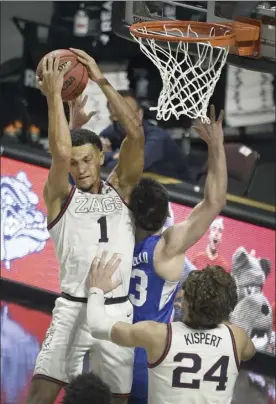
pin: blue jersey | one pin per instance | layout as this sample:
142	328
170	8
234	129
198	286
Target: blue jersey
152	297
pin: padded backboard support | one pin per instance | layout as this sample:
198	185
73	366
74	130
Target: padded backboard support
128	12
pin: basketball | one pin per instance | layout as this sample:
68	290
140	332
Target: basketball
75	80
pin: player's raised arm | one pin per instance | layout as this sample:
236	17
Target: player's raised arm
181	236
147	334
50	84
131	159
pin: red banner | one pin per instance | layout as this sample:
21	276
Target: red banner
230	235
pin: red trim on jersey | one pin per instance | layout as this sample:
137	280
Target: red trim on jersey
49	379
124	202
118	395
166	350
64	207
100	187
234	347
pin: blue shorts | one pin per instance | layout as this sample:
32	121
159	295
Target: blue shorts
139	391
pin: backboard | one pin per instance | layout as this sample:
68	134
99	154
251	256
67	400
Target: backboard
128	12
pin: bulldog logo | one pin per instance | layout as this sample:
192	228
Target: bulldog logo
23	226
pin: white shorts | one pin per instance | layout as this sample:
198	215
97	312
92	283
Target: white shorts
68	339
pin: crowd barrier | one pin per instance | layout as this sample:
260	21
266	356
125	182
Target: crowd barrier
243	235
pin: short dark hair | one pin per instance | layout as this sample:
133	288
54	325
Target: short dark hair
85	389
211	295
149	203
80	137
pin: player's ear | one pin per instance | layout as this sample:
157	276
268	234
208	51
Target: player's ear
101	158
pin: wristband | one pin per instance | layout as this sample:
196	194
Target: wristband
98	321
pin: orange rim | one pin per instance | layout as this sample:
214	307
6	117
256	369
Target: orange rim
242	36
223	35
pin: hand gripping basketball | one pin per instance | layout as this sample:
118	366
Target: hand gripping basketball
53	73
94	72
75	75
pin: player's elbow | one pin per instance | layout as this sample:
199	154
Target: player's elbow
216	203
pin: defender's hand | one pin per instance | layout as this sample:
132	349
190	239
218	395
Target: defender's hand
101	272
94	72
51	81
107	147
78	117
211	133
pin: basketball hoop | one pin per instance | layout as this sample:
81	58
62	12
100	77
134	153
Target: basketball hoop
189	82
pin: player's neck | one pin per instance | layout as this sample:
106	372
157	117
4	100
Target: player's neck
96	187
141	234
212	254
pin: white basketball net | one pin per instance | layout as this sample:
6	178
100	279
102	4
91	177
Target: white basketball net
188	82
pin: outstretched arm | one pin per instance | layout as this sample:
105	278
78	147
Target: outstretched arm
147	334
131	159
180	237
50	84
121	333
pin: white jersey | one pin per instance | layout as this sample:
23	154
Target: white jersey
88	224
197	367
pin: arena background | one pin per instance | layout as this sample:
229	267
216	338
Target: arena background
29	269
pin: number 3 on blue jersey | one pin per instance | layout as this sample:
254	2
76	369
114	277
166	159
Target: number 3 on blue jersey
141	281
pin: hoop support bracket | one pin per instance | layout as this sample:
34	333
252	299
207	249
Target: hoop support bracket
247	37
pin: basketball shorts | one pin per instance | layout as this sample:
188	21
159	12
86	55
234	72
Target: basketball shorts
139	391
68	340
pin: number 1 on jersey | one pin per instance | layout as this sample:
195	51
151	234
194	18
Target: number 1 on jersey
103	228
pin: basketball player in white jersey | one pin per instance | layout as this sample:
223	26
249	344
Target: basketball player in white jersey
82	220
194	361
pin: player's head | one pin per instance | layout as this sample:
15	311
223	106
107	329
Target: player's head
149	204
210	296
86	158
85	389
129	97
215	233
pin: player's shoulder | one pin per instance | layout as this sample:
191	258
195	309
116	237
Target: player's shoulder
239	334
